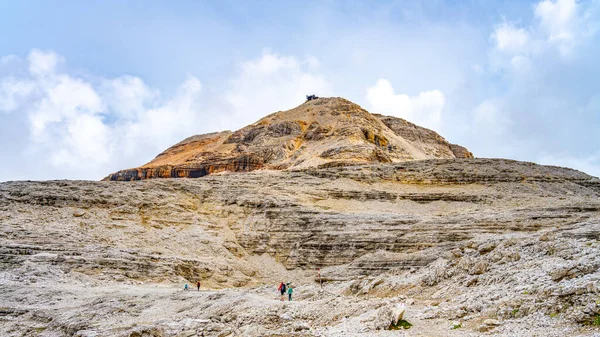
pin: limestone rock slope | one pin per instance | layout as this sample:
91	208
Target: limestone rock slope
319	132
468	239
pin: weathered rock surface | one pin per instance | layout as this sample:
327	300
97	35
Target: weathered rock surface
318	132
465	239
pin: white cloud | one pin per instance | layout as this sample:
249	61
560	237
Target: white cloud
536	109
272	83
12	91
63	98
520	63
43	63
512	47
84	139
560	22
85	128
127	96
425	109
559	25
174	119
510	39
312	61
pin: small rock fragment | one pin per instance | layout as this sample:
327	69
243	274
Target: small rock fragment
188	333
301	326
479	268
491	321
78	213
486	248
471	281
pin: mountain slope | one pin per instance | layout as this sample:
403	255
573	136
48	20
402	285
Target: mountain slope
326	131
507	248
464	239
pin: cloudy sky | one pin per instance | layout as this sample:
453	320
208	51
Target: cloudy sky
90	87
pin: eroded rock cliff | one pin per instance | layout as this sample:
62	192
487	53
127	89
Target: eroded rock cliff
326	130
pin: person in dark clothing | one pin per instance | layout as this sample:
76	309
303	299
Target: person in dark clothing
198	284
282	289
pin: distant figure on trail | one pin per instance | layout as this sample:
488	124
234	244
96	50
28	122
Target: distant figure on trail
290	291
198	284
282	289
320	279
185	287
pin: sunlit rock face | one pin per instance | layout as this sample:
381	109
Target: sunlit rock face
324	131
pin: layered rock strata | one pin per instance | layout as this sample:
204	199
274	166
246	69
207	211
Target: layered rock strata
303	218
326	130
469	239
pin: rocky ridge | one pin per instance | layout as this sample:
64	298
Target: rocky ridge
325	131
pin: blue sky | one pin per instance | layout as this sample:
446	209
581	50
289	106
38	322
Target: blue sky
87	88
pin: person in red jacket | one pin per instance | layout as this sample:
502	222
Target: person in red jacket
198	284
282	289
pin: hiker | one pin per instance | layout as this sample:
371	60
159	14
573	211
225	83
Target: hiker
320	279
290	291
282	289
198	284
185	287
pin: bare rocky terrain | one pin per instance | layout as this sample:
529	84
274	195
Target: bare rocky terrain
326	131
464	240
487	246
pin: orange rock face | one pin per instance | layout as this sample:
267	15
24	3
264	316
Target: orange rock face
322	132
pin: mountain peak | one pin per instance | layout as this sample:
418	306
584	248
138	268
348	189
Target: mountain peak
319	132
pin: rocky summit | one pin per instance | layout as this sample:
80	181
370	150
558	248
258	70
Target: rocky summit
369	218
320	132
